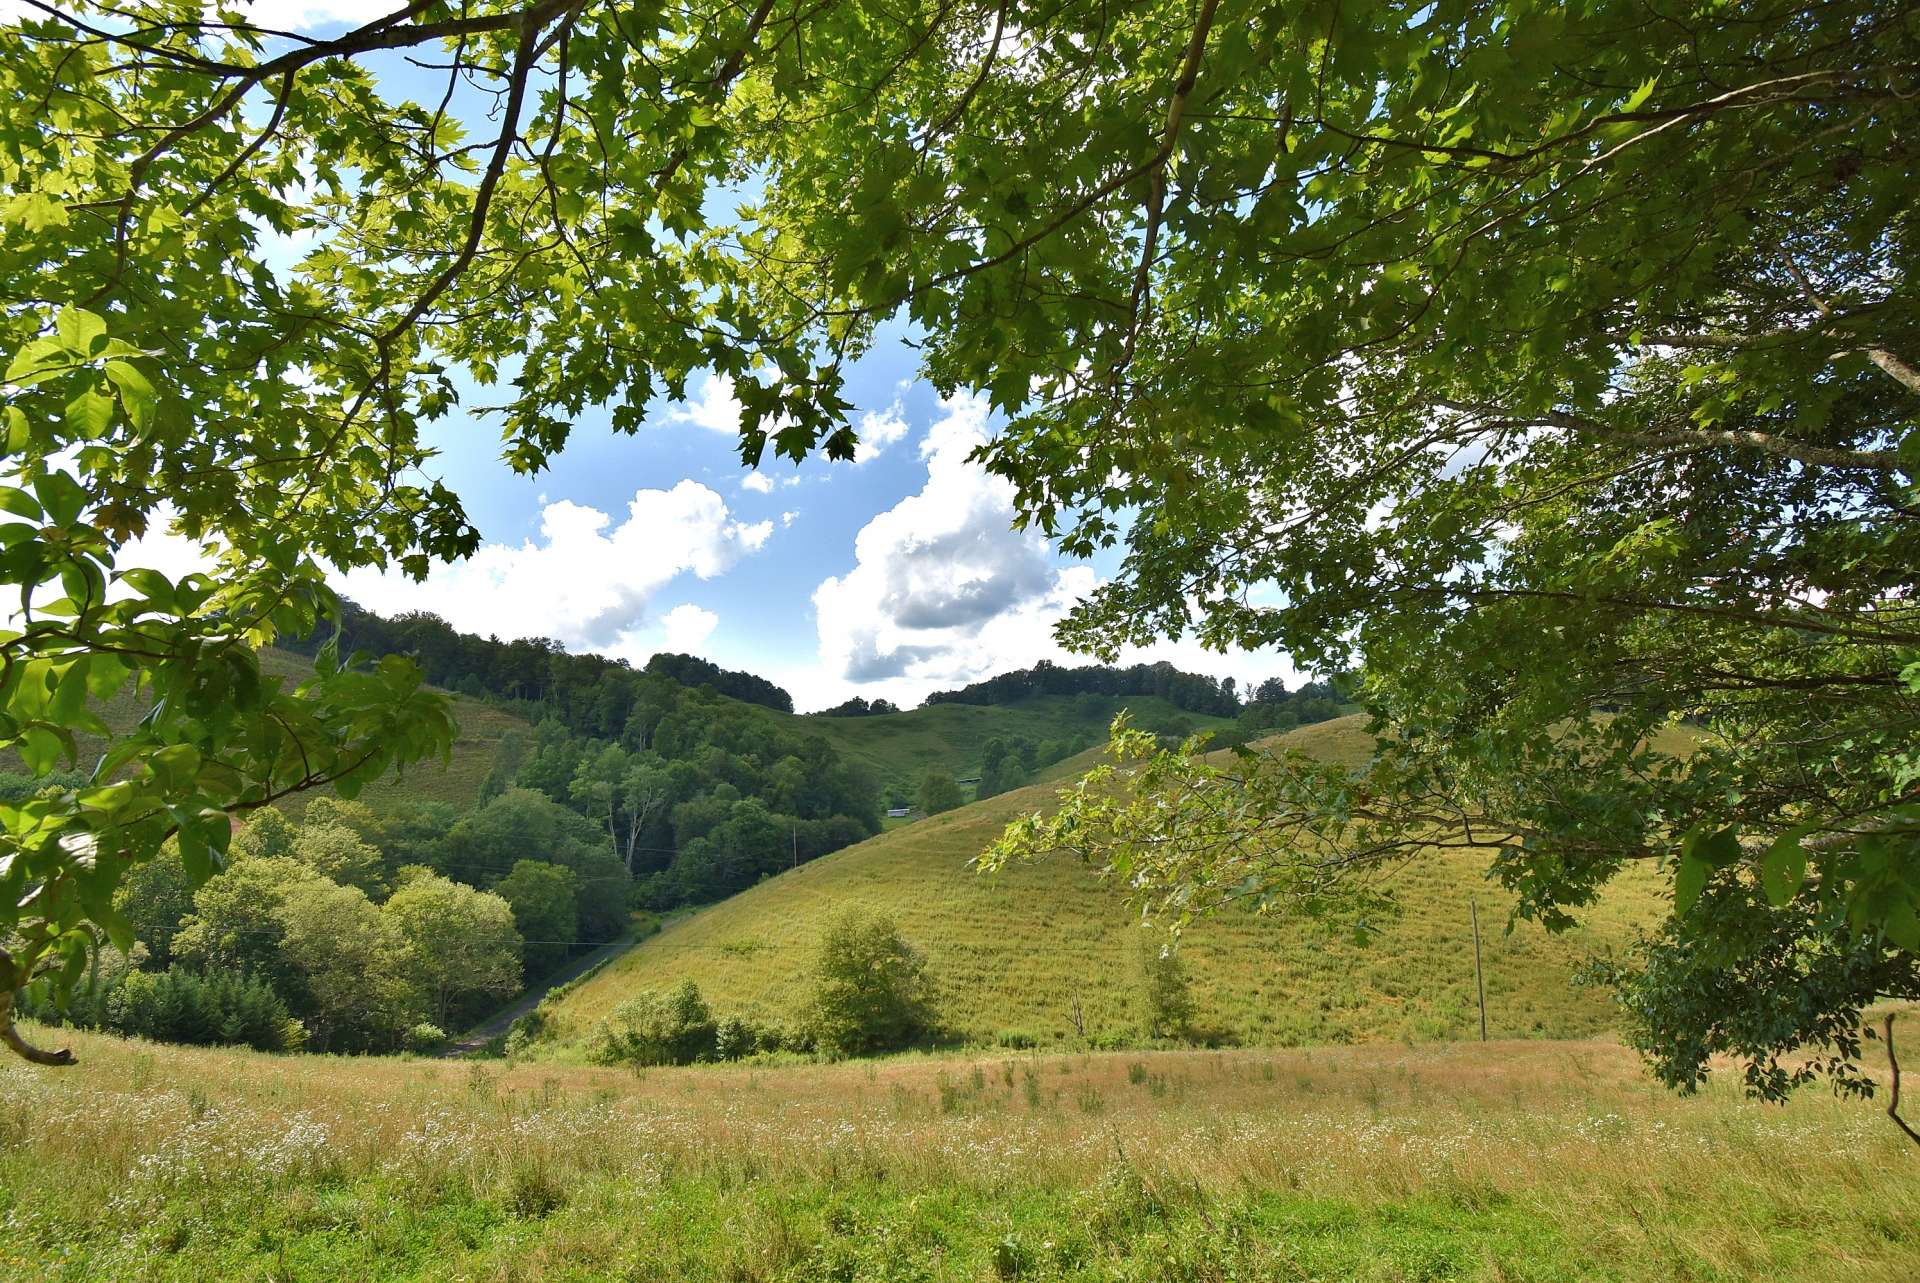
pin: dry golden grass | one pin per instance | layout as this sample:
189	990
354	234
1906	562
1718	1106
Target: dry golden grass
1016	950
1559	1146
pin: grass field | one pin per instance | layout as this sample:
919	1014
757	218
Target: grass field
1506	1161
900	747
1014	951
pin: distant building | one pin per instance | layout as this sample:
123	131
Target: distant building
898	812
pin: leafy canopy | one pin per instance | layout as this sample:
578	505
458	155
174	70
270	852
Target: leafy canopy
1548	361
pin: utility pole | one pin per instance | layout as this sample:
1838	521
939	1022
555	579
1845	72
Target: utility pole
1479	979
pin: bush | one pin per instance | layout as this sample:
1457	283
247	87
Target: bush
675	1028
425	1038
734	1038
938	792
871	988
1166	1002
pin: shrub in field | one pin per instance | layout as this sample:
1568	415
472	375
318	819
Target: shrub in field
938	792
674	1028
871	988
425	1037
734	1038
1166	1000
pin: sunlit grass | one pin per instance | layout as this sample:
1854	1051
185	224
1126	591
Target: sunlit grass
1537	1160
1015	952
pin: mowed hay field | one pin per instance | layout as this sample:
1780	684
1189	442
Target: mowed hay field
1013	951
901	747
1505	1161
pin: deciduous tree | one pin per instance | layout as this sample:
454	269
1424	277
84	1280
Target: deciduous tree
464	947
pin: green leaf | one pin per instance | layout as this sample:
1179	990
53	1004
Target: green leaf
20	504
196	853
1688	882
36	211
79	331
175	766
1638	98
136	393
1902	925
61	496
39	749
150	584
1783	869
89	414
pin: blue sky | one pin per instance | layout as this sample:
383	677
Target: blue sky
888	577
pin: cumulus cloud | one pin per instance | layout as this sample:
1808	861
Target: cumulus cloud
942	583
713	407
944	591
758	482
877	431
585	580
687	626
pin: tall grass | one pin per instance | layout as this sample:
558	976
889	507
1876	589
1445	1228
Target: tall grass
1495	1161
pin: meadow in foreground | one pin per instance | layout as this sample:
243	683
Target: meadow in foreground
1509	1160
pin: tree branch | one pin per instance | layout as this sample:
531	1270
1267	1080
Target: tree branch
20	1046
1893	1090
1157	190
1758	442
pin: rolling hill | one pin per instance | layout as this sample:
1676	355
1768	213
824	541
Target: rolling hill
901	747
456	782
1014	952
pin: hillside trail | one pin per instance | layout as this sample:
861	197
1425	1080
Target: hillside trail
502	1020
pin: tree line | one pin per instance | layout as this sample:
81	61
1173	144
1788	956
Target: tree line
1193	692
590	692
686	782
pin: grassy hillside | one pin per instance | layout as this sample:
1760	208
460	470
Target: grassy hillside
1014	951
1546	1161
901	747
457	782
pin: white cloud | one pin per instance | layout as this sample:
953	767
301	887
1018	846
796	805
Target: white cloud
687	626
786	518
945	592
878	431
942	583
713	407
760	483
585	580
